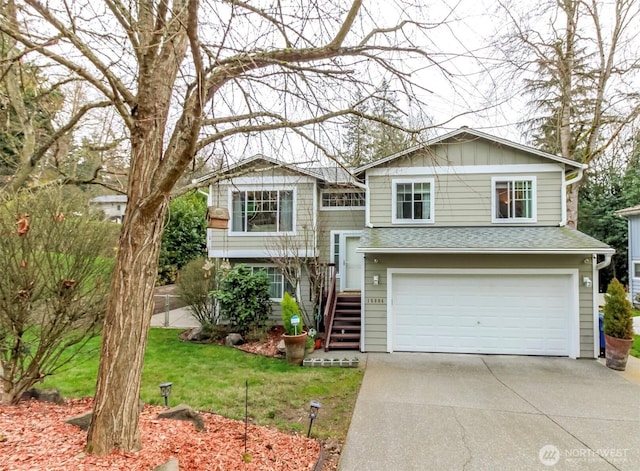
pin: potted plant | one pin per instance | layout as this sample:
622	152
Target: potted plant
295	338
618	326
311	341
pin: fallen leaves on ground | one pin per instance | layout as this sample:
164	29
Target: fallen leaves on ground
34	436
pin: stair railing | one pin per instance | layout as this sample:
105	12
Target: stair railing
330	307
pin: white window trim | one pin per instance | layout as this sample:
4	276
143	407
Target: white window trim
342	247
273	265
230	230
394	206
343	208
634	264
534	196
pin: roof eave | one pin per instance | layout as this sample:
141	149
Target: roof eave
253	158
547	251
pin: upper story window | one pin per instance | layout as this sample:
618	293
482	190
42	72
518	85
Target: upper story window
413	201
262	211
339	199
514	199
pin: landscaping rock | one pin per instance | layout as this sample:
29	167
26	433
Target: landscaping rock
184	412
281	347
233	339
194	334
171	465
82	420
44	395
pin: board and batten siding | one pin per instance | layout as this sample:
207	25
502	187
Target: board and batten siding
375	298
474	151
464	200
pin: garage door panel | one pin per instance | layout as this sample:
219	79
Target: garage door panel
512	314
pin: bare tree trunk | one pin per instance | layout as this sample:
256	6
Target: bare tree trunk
114	424
115	420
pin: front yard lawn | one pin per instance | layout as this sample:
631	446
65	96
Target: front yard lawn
635	347
212	378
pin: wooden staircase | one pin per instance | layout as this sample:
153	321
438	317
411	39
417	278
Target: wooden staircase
343	329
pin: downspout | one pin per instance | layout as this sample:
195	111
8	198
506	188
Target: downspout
605	263
367	214
566	184
596	308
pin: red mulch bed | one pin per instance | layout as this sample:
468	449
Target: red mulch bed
33	436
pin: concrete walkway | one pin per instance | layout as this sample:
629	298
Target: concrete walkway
476	412
175	319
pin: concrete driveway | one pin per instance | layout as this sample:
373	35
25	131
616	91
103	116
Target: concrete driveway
476	412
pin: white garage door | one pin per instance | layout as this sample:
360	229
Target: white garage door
482	313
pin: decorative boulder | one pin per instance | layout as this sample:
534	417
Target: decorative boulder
83	420
184	412
171	465
44	395
233	339
193	334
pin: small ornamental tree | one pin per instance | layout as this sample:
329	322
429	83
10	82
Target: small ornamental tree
290	308
618	314
53	285
244	298
197	281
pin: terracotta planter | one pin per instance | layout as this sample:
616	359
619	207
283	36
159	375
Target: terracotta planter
294	346
617	352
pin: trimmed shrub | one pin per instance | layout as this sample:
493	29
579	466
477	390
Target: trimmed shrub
618	321
244	298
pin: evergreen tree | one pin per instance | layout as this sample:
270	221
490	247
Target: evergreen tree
368	136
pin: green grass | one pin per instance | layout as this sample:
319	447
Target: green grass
635	347
211	377
636	313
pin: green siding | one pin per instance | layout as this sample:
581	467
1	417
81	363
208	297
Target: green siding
376	314
342	220
465	199
224	240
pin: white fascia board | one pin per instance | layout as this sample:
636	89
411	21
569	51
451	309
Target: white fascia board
465	170
253	253
402	250
261	181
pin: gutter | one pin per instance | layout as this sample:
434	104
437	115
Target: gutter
481	251
605	263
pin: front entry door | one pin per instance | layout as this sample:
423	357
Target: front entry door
351	264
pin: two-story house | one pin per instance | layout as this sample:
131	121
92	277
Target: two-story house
457	245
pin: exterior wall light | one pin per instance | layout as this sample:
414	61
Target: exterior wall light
165	391
314	406
587	281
